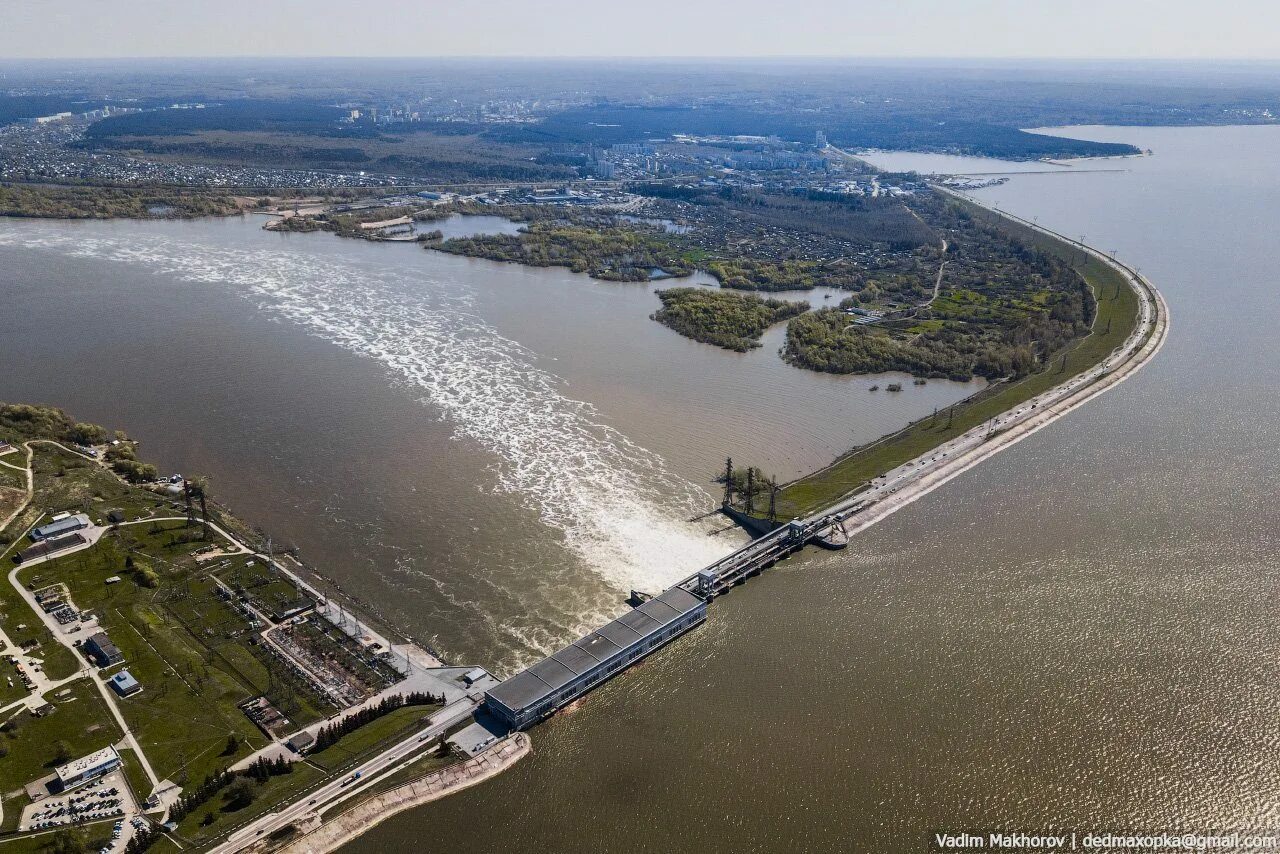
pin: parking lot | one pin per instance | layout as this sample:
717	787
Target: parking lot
102	799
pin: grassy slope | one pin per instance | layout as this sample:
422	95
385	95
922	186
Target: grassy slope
1117	310
80	719
50	491
351	749
181	641
356	745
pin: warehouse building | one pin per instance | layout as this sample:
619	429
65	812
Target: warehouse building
559	679
88	767
103	652
62	526
44	548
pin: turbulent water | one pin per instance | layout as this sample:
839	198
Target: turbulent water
614	503
1075	634
547	492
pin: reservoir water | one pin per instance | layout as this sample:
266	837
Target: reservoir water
1079	633
1076	634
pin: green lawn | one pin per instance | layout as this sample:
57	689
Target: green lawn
191	651
11	687
81	720
13	808
356	745
134	774
91	837
214	818
1116	316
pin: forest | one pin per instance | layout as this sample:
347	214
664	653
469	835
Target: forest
1004	309
603	249
609	123
75	202
438	157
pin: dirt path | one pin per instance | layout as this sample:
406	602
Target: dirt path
920	476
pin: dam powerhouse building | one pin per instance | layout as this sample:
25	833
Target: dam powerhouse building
564	676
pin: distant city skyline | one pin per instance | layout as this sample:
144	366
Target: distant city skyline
1086	29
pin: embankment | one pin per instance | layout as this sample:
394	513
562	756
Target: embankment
1120	293
338	831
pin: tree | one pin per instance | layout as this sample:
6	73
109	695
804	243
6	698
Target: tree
87	434
66	841
241	793
61	752
233	744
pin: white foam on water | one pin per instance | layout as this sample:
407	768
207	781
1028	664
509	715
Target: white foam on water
620	508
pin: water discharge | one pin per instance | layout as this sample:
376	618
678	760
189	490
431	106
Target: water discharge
616	504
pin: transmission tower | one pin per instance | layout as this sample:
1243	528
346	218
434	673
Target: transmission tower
728	481
751	489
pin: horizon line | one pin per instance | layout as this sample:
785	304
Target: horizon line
657	58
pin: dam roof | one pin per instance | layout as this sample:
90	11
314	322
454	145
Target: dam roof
609	642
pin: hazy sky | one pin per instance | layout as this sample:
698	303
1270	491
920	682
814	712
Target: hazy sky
858	28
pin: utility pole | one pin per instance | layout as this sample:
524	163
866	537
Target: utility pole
204	507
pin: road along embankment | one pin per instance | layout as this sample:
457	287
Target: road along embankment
336	832
925	473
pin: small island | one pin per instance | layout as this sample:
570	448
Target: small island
729	320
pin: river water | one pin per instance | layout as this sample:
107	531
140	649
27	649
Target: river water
1075	634
491	456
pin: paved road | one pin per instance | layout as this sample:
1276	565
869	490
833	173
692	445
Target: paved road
87	670
347	786
915	478
950	459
